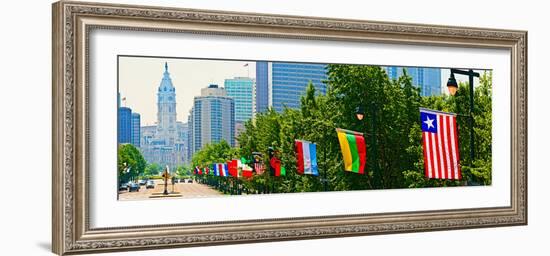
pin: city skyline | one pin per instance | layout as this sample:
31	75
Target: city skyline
189	76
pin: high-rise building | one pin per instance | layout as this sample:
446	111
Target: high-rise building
212	118
182	143
427	79
287	83
124	125
136	125
262	86
241	90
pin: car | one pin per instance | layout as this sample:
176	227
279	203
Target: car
142	182
150	184
133	187
123	187
190	181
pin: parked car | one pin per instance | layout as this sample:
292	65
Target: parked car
123	187
190	181
150	184
133	187
142	182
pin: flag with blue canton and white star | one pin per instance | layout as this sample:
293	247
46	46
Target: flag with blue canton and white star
440	144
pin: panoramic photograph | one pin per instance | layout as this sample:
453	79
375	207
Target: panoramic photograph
191	128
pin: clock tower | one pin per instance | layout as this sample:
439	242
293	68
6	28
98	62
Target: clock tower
166	109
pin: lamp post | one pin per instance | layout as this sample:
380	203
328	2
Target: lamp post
453	87
360	115
165	176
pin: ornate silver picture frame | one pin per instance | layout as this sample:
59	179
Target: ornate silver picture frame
74	21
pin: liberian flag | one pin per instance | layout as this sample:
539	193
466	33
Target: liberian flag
306	156
354	150
440	144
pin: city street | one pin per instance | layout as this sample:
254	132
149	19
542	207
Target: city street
186	190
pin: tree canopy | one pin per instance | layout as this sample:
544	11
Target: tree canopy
391	126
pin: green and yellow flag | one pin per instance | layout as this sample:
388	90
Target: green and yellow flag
354	150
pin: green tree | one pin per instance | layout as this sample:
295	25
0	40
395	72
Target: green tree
131	163
152	169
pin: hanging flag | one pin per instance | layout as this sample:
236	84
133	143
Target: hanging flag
440	145
221	170
275	167
306	156
215	170
259	168
278	170
247	171
198	170
354	150
244	160
233	167
205	170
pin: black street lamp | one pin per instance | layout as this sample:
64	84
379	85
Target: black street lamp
452	85
360	113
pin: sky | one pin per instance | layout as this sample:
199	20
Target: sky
140	77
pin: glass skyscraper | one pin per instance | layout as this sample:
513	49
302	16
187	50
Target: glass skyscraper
241	90
136	127
427	79
124	125
262	86
286	83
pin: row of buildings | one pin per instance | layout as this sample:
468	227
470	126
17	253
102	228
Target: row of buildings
219	113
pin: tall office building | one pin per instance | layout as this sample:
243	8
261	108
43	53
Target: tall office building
262	86
136	127
212	118
427	79
286	83
124	125
181	143
241	90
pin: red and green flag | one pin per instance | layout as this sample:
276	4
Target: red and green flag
246	171
354	150
278	170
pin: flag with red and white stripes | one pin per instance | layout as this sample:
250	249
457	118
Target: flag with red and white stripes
440	144
259	168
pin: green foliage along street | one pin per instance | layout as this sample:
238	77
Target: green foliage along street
391	125
131	163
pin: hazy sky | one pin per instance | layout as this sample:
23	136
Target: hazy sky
140	77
